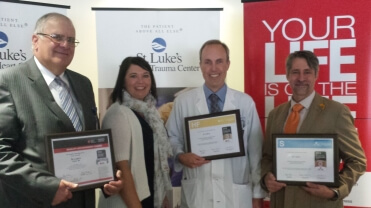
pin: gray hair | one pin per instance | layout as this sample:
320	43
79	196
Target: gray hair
41	22
309	56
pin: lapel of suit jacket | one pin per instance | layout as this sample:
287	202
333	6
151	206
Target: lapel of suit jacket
229	103
313	112
85	96
201	103
79	94
43	91
282	116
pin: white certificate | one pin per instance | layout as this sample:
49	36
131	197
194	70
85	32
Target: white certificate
306	158
85	158
216	135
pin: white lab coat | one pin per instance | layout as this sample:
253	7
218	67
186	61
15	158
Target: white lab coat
222	183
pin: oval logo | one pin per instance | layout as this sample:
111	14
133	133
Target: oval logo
158	45
3	40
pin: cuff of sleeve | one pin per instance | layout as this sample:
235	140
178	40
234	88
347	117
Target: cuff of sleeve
177	165
262	183
336	196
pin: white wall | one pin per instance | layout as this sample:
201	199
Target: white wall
85	61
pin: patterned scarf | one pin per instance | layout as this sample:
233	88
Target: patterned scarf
162	148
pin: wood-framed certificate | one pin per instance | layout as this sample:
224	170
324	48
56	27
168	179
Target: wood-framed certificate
215	135
301	158
85	158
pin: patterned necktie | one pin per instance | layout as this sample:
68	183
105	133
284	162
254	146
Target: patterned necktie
67	104
214	107
293	119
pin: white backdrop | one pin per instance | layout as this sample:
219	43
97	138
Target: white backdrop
16	27
165	38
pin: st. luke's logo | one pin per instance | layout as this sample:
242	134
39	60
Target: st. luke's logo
158	45
3	40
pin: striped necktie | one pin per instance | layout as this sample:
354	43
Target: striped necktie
67	104
214	107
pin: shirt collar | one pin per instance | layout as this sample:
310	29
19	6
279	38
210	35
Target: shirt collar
221	93
306	101
47	74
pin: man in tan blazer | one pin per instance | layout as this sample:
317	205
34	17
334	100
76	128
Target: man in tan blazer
319	115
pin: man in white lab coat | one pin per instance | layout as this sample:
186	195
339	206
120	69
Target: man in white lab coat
222	183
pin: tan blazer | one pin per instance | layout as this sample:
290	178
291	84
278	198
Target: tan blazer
324	116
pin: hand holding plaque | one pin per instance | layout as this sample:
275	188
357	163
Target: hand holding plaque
85	158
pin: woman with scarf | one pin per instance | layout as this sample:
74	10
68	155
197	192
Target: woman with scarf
140	140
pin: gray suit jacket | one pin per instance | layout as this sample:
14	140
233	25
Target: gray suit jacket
28	112
324	116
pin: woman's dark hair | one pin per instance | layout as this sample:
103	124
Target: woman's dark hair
116	94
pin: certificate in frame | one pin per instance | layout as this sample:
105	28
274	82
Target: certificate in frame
216	135
301	158
85	158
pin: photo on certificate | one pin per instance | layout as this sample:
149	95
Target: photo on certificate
85	158
301	158
216	135
227	133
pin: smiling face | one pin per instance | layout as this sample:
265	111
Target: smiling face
214	66
301	78
137	82
55	57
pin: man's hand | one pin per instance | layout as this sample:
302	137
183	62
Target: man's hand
319	190
271	183
192	160
114	187
64	192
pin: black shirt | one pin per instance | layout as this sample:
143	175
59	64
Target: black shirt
148	158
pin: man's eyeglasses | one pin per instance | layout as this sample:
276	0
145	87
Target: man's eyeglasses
60	39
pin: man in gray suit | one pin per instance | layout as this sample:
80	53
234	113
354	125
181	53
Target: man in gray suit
318	115
30	109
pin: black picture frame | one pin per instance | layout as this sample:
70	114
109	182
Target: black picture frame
226	131
88	157
306	155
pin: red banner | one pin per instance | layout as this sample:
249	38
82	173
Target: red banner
338	32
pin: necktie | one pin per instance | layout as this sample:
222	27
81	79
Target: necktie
67	104
293	119
214	107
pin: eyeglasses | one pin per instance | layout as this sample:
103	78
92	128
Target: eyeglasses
60	39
